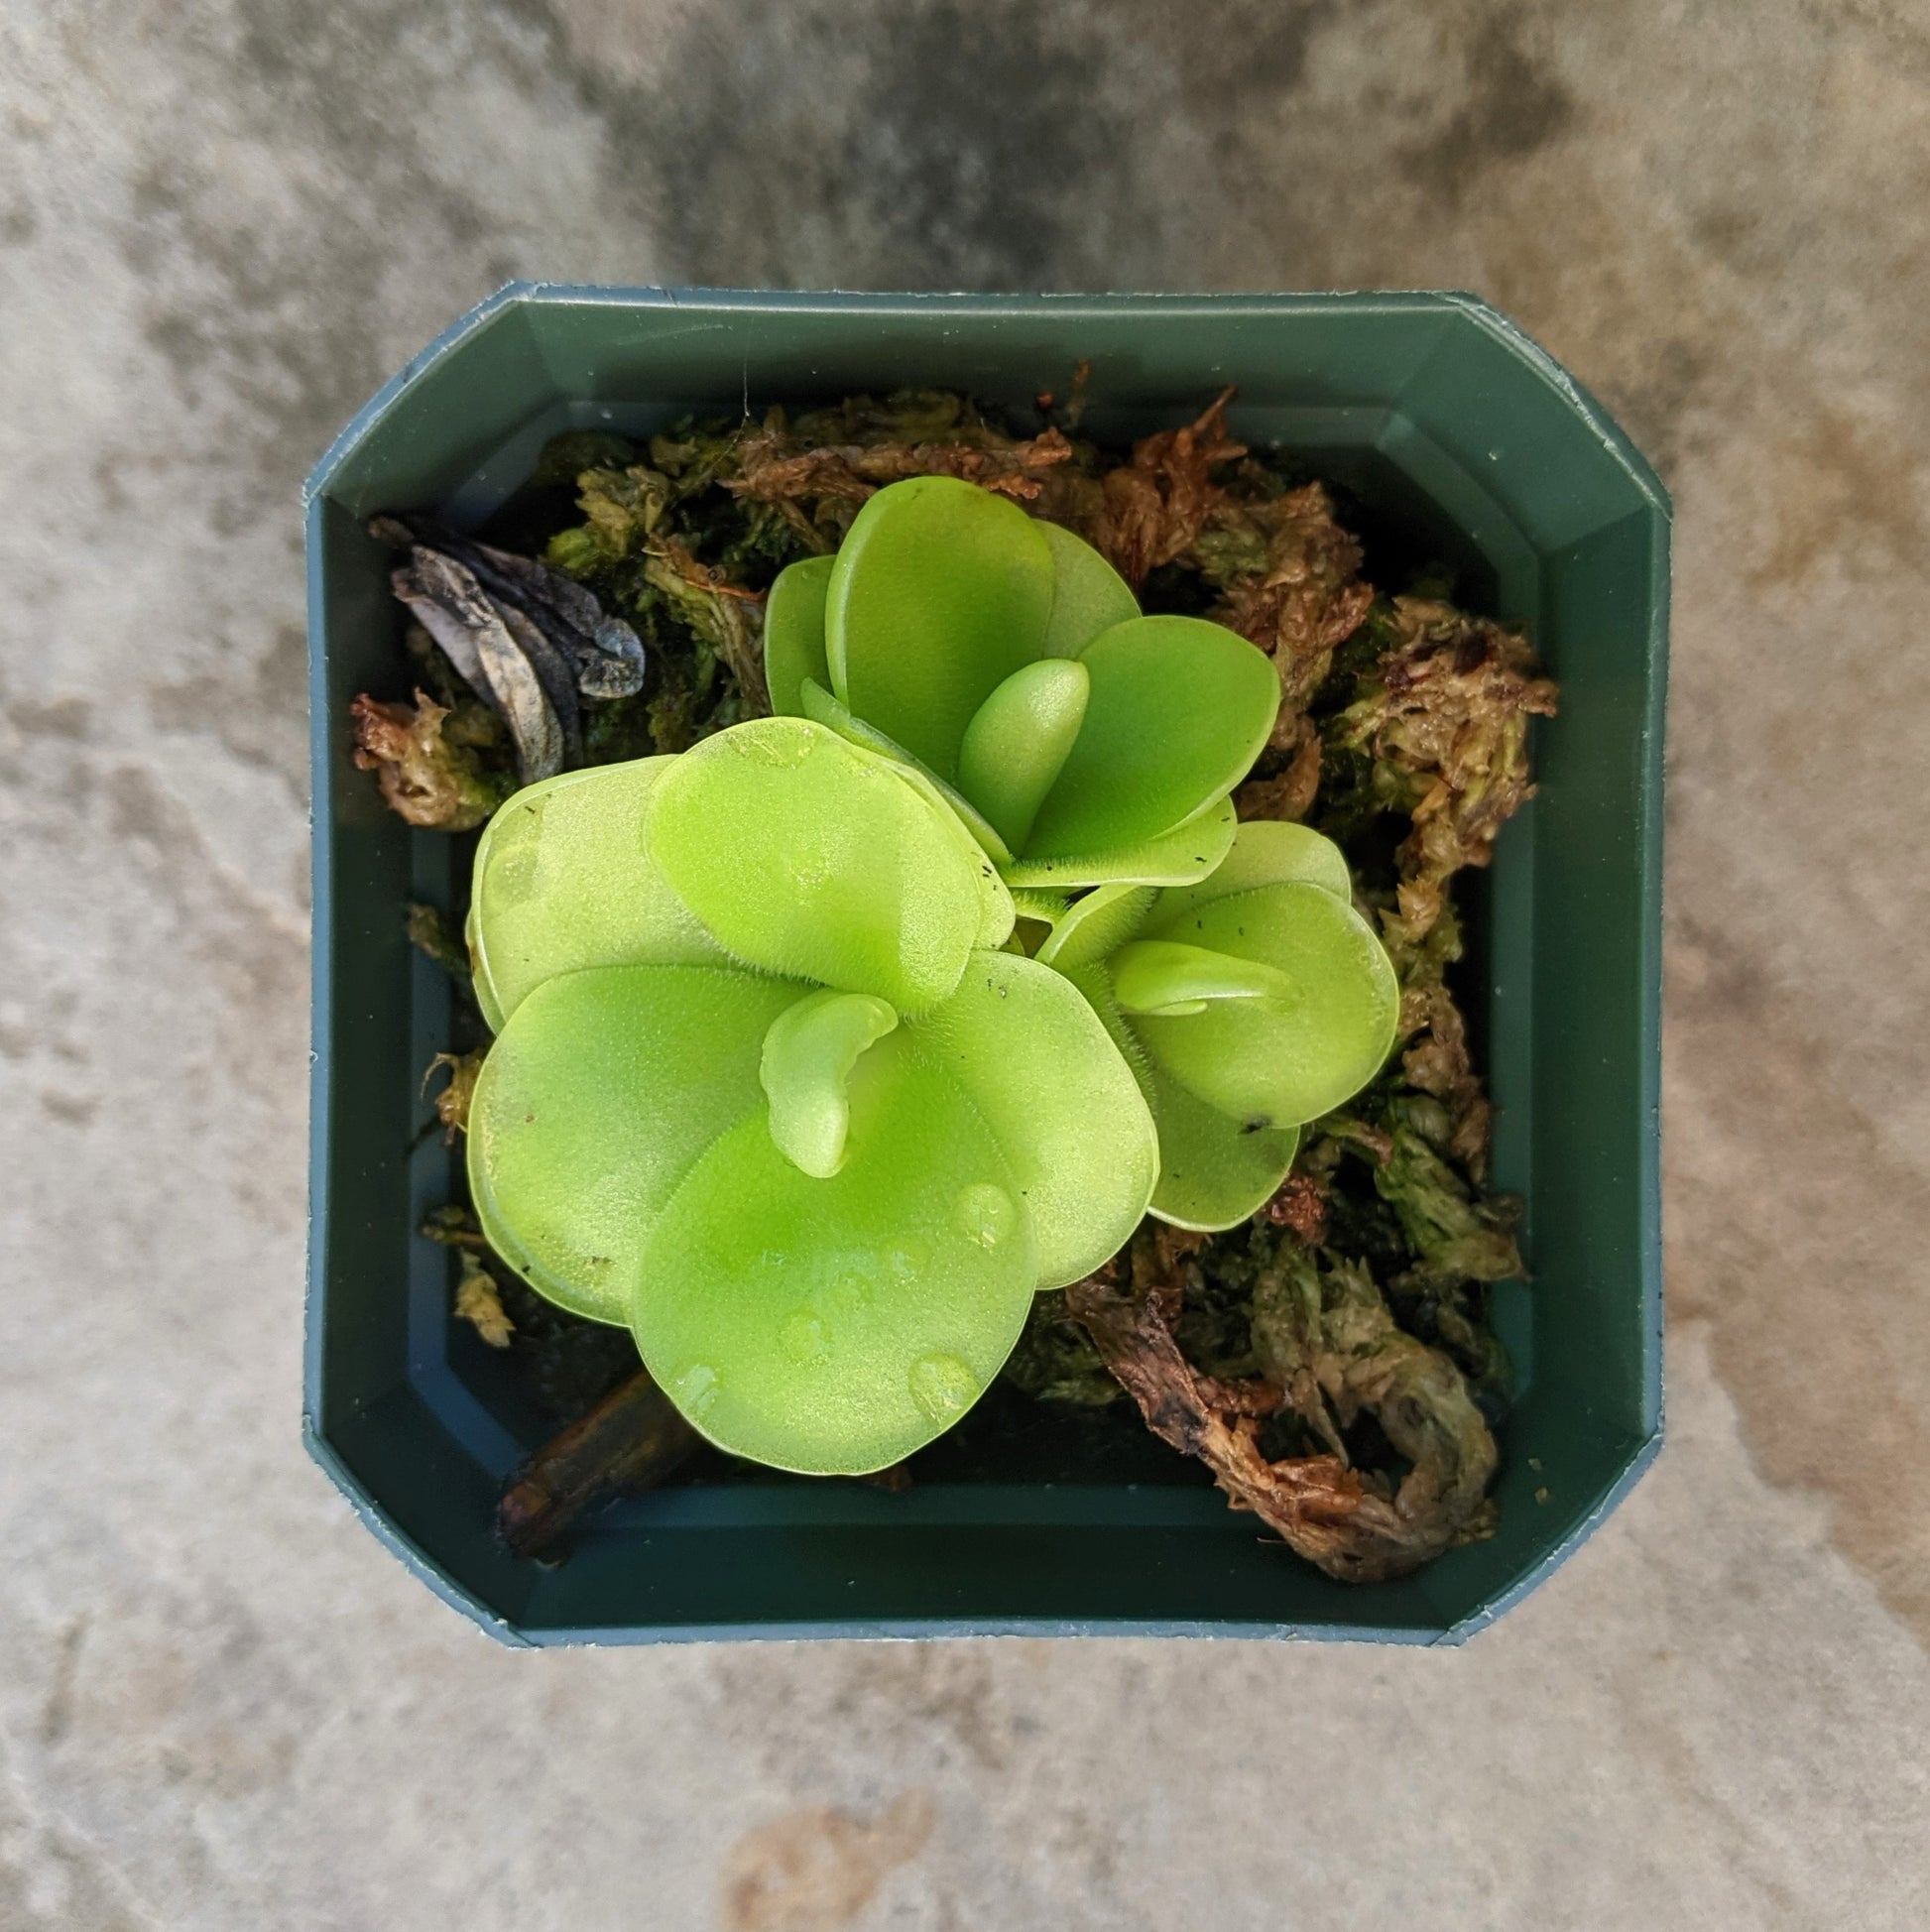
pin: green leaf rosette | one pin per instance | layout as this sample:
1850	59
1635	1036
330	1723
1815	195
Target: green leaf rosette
1247	1005
765	1089
1006	661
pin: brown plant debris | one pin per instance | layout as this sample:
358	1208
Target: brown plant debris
452	1103
631	1440
1290	580
1300	1204
1444	714
777	472
1151	510
480	1304
1326	1334
428	775
1328	1364
1289	791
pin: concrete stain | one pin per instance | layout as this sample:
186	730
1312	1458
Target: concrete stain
814	1870
1802	1248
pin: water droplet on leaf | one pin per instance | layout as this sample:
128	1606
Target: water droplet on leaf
942	1386
986	1214
694	1389
805	1338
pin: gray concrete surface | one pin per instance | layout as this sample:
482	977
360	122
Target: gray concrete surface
220	225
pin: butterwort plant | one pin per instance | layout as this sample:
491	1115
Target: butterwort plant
1004	659
769	1087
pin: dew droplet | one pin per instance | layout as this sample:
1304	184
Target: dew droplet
942	1386
805	1338
851	1291
985	1214
694	1389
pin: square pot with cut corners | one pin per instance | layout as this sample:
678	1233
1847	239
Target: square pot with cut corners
1456	438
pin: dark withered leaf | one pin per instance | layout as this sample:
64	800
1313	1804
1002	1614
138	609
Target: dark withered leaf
604	655
519	673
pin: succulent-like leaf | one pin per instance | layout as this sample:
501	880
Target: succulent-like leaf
1095	926
949	627
1065	1110
1180	857
1266	852
1088	594
1280	1060
938	594
822	707
809	1056
834	1326
601	1092
1019	741
1214	1170
794	634
1178	712
562	882
805	856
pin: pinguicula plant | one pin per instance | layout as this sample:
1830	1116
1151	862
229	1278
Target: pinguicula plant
768	1088
1006	661
1249	1004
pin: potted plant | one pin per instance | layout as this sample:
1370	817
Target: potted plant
1458	439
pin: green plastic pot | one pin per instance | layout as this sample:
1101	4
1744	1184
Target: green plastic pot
1461	440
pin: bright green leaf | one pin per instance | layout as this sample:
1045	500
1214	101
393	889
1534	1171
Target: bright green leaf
1179	711
1088	594
602	1091
1160	977
562	882
1095	926
835	1326
1039	1066
793	633
823	708
1019	740
1175	858
1213	1170
805	856
1275	1063
941	592
1265	852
